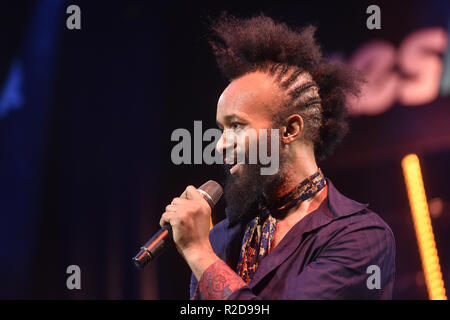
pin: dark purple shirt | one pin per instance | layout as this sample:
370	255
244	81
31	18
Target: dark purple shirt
334	252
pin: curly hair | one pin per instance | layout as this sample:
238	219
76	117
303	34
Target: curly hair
316	88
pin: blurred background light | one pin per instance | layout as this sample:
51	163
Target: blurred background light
422	225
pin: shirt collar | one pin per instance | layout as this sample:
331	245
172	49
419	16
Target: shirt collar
339	205
335	206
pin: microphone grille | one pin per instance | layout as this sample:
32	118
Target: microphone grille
213	190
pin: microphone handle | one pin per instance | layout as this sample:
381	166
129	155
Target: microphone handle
211	192
154	247
161	240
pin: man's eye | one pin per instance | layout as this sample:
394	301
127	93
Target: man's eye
235	125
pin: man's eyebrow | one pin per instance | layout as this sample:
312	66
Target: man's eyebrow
230	118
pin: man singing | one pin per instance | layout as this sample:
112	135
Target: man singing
290	235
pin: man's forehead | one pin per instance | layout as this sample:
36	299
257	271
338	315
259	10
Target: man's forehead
252	94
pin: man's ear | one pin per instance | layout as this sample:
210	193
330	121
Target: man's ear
293	128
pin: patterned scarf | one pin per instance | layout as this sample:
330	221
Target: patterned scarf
259	233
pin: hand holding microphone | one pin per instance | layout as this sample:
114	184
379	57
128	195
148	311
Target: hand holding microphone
186	222
189	215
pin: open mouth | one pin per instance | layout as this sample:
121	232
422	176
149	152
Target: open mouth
234	162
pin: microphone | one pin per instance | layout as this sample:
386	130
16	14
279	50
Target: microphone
211	192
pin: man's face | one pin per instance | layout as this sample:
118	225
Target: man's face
247	104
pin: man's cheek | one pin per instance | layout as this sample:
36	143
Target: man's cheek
247	146
269	152
240	151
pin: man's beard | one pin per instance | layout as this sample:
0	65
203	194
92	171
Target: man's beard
245	190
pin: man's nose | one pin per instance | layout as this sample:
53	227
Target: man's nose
226	142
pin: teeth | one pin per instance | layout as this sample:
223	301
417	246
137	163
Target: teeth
234	168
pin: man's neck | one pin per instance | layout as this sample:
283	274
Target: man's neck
293	174
297	213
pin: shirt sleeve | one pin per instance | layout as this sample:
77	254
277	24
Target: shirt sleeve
359	264
218	282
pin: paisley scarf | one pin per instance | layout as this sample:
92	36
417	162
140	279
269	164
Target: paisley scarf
259	232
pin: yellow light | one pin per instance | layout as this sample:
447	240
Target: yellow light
423	227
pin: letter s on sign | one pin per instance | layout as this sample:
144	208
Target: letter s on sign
419	58
417	83
376	60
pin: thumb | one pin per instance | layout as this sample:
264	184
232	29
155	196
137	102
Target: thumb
192	193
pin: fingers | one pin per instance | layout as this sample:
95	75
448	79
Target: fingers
165	219
193	194
183	195
187	202
180	202
168	218
171	208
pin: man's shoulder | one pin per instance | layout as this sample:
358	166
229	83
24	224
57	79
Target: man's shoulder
349	215
367	218
362	225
